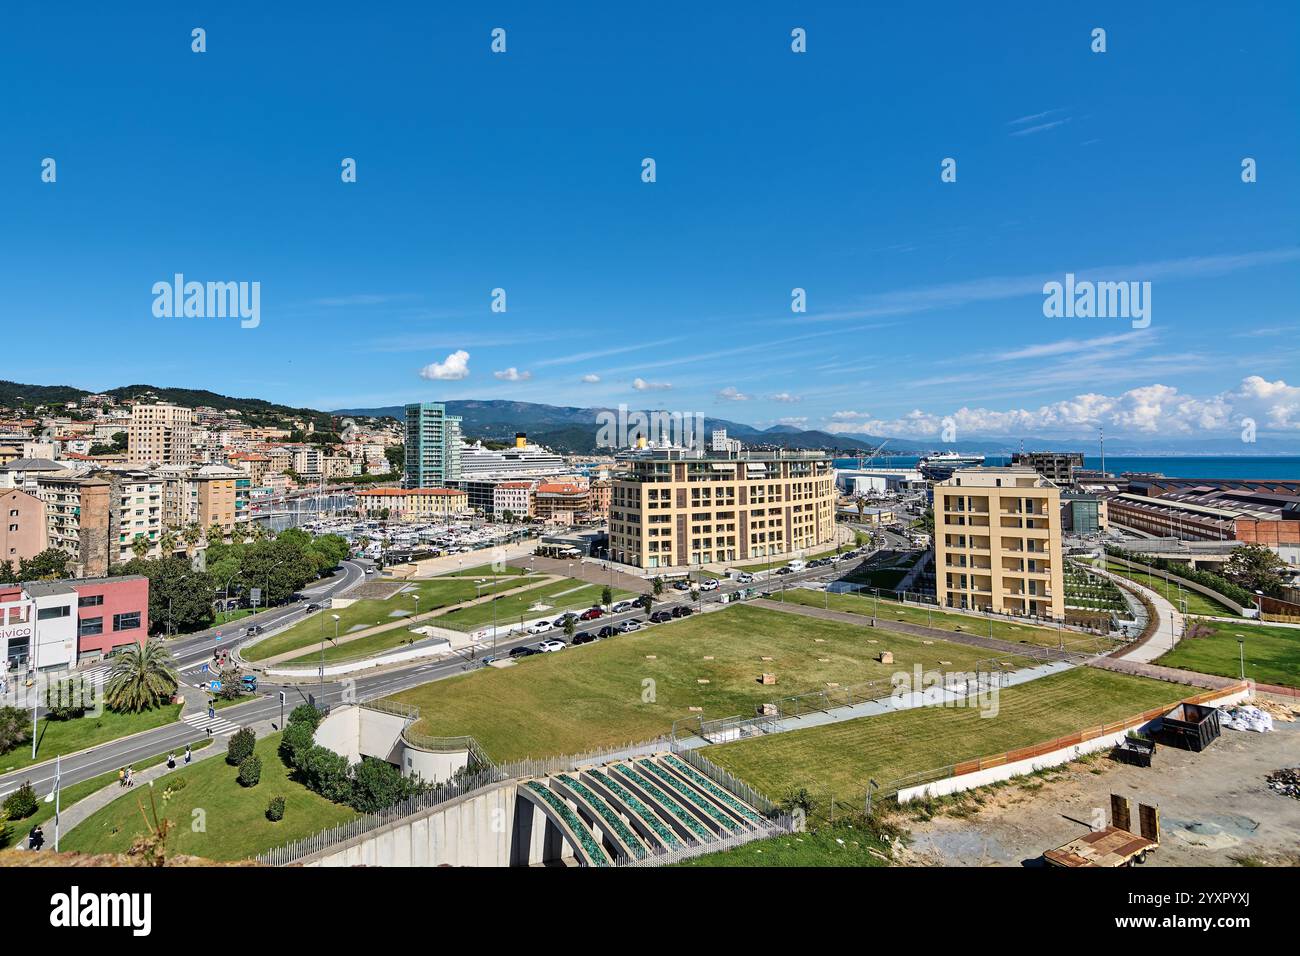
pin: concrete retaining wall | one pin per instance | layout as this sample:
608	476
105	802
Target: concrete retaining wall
980	778
1186	585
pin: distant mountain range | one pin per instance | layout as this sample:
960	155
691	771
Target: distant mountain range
572	429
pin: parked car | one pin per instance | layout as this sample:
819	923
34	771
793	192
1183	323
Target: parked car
627	627
541	627
682	585
568	616
609	630
550	647
682	610
622	606
709	584
590	614
527	650
744	577
583	638
659	617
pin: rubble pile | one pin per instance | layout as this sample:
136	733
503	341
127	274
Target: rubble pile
1285	781
1246	717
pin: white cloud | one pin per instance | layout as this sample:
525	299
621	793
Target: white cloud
513	374
785	397
732	394
849	415
1147	410
591	378
641	385
796	420
454	367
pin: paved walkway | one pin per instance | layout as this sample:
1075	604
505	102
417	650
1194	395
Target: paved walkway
1168	632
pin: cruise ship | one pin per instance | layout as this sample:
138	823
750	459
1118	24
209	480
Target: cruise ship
522	460
939	466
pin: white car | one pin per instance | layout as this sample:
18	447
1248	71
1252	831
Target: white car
550	647
708	584
744	578
541	627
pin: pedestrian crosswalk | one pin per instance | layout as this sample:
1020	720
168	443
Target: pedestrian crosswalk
218	725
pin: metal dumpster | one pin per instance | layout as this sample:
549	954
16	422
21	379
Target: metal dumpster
1189	726
1135	750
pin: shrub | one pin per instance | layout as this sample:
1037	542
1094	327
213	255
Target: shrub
240	747
297	739
15	728
305	714
250	771
326	773
377	785
6	829
21	803
275	809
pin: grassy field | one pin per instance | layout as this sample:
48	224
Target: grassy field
1002	630
836	760
434	593
484	571
76	792
235	820
1196	603
566	595
826	846
55	737
1272	652
610	692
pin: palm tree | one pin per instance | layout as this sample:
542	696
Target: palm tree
142	678
140	546
192	534
167	543
215	533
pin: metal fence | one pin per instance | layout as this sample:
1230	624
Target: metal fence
549	766
729	781
775	826
337	835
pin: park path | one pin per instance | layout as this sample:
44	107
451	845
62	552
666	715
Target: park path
402	622
1169	630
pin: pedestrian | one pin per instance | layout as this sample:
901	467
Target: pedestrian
187	753
129	782
171	761
121	776
36	839
209	731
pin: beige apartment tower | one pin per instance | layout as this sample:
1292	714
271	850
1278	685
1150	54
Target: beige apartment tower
997	542
672	507
159	435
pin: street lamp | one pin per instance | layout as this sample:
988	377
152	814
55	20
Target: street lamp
1241	648
322	654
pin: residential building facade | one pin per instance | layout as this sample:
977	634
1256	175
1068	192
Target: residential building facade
22	526
413	504
997	542
159	435
433	446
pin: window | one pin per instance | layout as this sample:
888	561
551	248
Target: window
50	613
89	626
91	600
126	622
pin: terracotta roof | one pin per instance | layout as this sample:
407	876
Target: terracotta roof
560	489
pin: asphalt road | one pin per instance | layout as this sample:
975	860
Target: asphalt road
193	650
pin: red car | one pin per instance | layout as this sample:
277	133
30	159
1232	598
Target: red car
590	614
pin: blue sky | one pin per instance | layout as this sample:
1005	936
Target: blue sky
775	170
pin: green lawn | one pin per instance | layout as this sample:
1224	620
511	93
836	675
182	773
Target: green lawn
891	610
1272	652
610	692
55	737
566	595
362	647
1196	603
826	846
838	759
484	571
77	792
234	817
434	593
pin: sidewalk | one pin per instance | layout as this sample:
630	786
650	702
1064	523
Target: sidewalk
1168	632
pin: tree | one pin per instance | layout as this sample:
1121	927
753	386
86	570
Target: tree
325	772
568	627
167	543
305	714
21	803
606	596
215	533
508	516
142	678
275	809
396	455
140	546
48	565
180	598
1255	568
250	771
232	687
15	728
8	573
645	601
658	585
240	746
192	534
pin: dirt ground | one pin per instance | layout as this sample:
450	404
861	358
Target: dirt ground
1215	808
